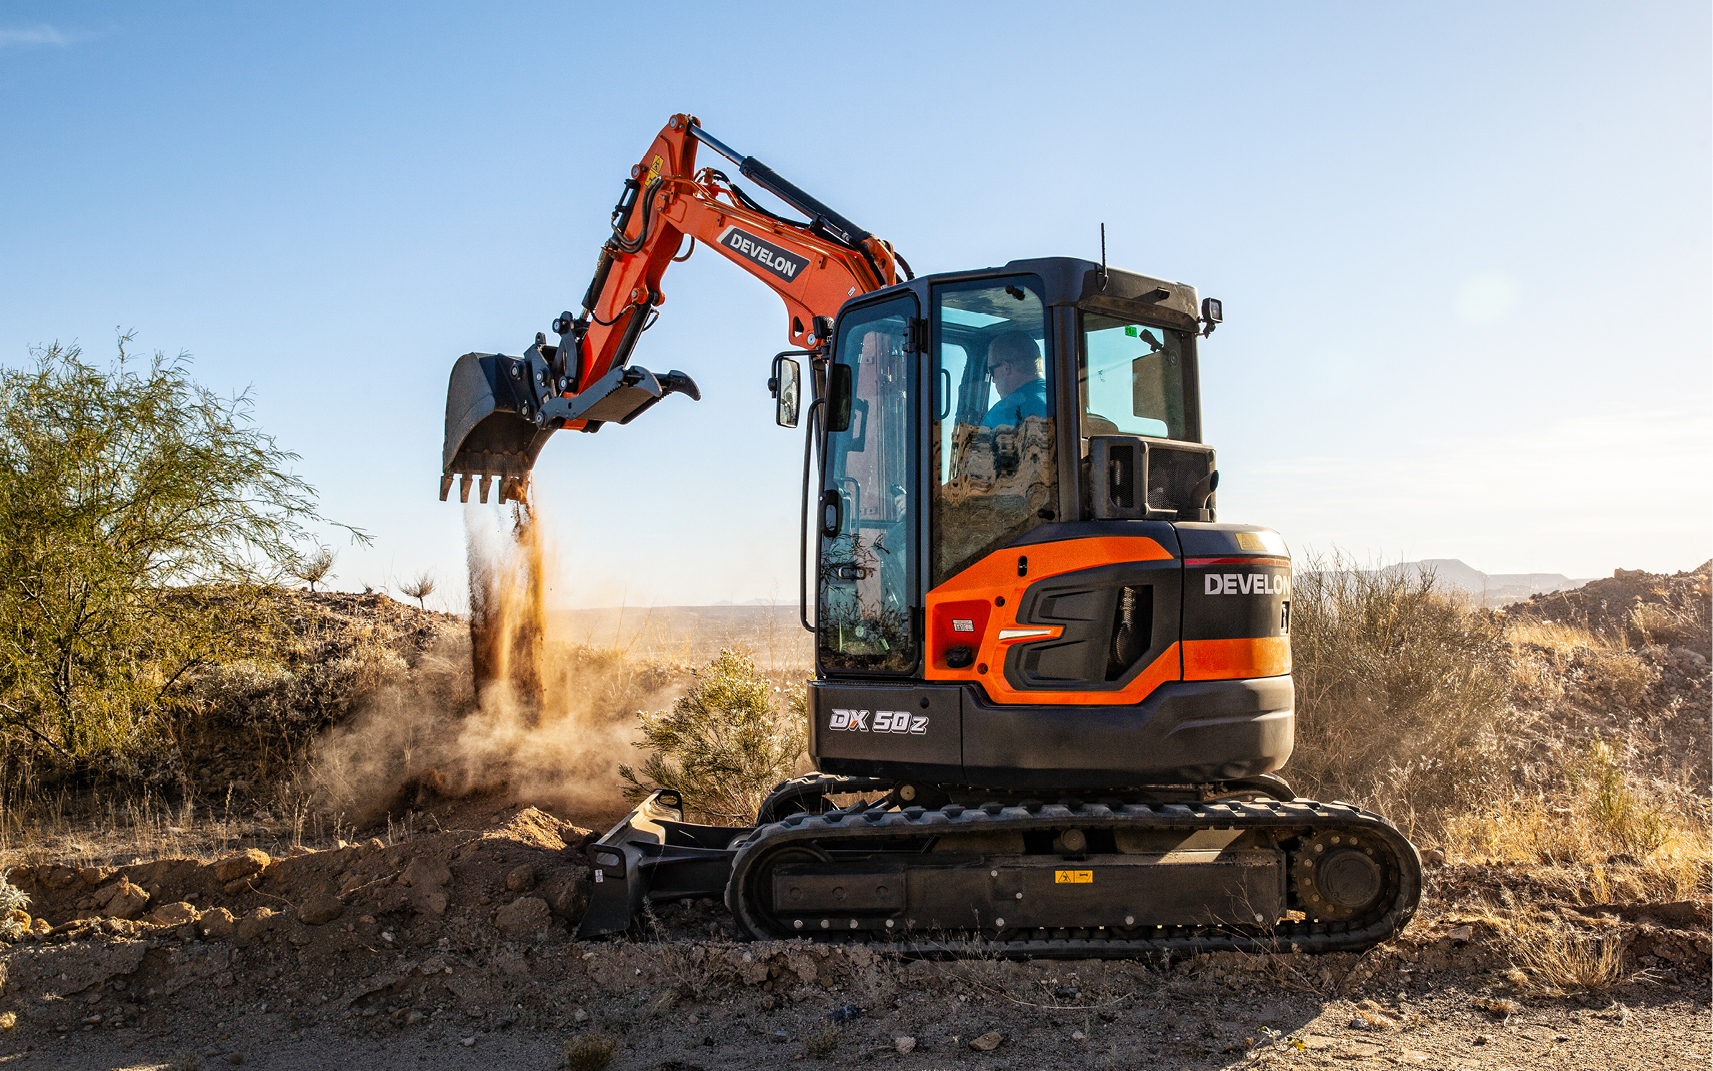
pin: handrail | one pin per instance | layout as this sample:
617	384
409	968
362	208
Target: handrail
803	521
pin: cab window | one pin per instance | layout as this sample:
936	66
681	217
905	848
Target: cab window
1131	378
995	470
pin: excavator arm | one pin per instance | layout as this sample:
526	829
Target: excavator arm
501	410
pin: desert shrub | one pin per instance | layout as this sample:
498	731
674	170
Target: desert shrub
724	744
1551	959
144	517
12	899
822	1042
1402	691
1679	626
313	568
1620	814
590	1052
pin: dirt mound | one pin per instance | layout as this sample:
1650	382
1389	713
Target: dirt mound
1605	662
255	720
515	872
1632	608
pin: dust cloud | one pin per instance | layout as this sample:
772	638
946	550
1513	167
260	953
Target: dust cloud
508	709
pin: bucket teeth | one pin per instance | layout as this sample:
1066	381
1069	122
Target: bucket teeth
486	482
463	488
445	485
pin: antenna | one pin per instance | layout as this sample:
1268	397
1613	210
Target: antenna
1103	256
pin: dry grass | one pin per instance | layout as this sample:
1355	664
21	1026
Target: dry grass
1552	959
822	1042
1603	836
590	1052
1402	693
1557	636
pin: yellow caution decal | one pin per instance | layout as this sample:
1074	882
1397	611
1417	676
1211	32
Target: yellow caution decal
1073	877
1250	541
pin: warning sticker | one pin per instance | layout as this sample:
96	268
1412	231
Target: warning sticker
1073	877
654	167
1250	541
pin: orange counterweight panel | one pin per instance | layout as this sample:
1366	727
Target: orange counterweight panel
997	583
1222	660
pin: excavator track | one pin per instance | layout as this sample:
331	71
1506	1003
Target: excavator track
1251	876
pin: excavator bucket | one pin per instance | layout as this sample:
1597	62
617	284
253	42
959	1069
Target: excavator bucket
490	430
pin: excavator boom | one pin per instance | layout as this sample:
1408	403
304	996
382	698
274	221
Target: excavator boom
501	410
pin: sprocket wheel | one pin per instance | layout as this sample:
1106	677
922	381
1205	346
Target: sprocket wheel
1337	875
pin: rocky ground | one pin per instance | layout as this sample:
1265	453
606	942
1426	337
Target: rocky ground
453	946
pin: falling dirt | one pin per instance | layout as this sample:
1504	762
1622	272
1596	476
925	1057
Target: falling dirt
508	613
514	712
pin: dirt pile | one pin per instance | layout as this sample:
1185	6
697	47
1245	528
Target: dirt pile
1583	669
509	874
253	723
1632	608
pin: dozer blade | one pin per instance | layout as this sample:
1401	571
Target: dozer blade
490	427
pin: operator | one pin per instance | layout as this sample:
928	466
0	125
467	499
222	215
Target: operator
1014	363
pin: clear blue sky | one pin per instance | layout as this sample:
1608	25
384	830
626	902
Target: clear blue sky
1464	249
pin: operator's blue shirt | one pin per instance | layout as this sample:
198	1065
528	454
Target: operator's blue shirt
1029	400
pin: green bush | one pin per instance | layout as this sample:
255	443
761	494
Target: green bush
724	744
12	899
145	518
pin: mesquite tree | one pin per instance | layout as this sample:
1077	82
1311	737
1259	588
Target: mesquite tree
146	520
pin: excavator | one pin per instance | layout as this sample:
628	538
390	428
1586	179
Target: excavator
1051	690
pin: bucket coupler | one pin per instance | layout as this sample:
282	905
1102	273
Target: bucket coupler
500	412
653	854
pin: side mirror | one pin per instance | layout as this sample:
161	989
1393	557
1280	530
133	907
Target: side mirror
786	384
839	397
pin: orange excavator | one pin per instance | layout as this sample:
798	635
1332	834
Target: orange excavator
1051	689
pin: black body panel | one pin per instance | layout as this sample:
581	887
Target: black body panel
1237	582
853	729
1186	732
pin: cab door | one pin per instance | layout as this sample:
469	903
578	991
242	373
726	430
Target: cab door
868	518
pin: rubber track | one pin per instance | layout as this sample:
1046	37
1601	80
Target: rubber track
1403	873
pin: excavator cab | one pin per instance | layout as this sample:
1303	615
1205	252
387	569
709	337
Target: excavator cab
1011	496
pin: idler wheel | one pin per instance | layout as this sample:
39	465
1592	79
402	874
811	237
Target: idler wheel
1337	875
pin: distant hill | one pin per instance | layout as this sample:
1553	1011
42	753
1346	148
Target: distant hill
692	633
1493	589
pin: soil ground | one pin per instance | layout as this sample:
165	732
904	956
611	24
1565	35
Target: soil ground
451	947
